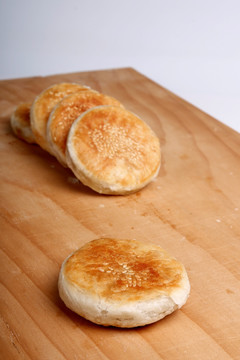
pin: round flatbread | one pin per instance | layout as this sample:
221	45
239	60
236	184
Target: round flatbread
43	105
123	283
20	123
112	150
64	114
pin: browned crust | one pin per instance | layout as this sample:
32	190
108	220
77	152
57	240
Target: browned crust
67	110
123	270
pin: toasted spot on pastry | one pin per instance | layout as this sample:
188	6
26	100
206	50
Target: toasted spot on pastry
20	123
64	114
124	283
43	105
112	150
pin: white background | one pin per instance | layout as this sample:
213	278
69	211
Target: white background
190	47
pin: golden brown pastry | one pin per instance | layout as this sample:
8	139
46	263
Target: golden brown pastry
20	123
123	283
64	114
43	105
112	150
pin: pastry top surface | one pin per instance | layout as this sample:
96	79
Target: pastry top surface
113	149
123	270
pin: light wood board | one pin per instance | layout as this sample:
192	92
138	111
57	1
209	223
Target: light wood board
192	210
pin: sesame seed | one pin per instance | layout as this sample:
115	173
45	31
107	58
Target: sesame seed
111	141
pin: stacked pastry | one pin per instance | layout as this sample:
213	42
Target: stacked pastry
108	148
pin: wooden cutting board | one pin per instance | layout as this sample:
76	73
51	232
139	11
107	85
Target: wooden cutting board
192	210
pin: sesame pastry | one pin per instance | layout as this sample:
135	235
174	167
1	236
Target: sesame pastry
112	150
122	283
20	123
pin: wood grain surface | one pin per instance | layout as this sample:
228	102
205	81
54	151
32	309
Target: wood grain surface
192	210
